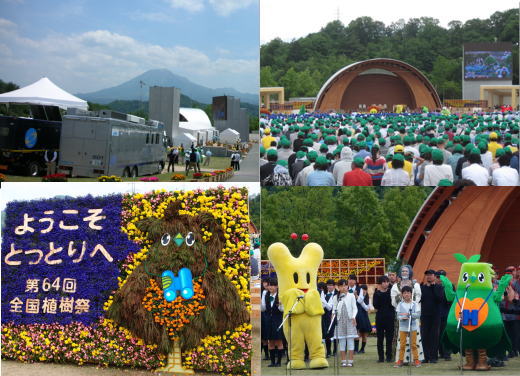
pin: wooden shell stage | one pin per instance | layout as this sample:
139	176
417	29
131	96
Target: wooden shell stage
467	220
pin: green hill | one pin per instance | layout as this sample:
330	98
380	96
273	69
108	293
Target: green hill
303	65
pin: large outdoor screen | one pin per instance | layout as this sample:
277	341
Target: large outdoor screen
488	65
220	108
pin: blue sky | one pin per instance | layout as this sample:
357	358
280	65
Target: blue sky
86	45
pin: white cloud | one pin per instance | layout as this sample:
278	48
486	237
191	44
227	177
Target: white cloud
6	24
226	7
99	59
188	5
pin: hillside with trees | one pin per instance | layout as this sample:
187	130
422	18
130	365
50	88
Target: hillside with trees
303	65
345	221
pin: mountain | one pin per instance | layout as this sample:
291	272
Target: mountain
131	90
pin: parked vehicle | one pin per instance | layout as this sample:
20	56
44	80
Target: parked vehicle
23	140
110	143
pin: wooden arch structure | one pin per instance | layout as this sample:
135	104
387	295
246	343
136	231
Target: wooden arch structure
467	220
376	81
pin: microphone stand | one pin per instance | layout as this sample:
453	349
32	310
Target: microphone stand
410	339
459	328
289	343
336	357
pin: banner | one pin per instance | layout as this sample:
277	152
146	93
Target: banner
60	259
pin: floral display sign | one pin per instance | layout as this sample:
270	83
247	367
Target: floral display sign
96	249
60	259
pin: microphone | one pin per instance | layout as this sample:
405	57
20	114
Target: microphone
467	286
300	297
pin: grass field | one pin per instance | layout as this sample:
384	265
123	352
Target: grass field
217	163
366	364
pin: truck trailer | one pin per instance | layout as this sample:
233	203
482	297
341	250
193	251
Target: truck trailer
24	140
110	143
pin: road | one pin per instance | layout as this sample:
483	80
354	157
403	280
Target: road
249	167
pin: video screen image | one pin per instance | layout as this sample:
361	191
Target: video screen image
488	65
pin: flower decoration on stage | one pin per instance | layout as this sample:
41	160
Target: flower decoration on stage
294	236
305	237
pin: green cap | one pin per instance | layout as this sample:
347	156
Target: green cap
272	153
312	155
300	154
282	162
322	161
437	155
445	183
398	157
358	161
500	152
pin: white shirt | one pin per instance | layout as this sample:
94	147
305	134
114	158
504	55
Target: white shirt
435	173
340	168
349	302
477	174
301	178
487	159
505	176
395	177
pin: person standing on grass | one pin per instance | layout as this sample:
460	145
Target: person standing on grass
407	310
208	157
326	301
171	160
50	160
444	309
345	305
385	317
263	318
431	300
363	322
274	317
237	160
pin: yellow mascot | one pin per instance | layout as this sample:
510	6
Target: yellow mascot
297	287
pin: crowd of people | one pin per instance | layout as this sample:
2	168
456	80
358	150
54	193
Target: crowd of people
427	149
406	312
193	157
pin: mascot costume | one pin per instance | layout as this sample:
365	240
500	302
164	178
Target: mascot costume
480	330
297	288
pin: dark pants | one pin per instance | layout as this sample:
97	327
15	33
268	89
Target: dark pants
171	164
444	353
385	332
512	332
430	326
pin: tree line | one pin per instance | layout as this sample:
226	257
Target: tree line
303	65
348	222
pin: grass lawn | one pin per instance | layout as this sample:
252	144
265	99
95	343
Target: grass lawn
366	364
217	163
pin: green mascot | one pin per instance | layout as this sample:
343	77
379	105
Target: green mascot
298	291
474	321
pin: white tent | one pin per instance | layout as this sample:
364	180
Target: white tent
196	122
229	136
43	92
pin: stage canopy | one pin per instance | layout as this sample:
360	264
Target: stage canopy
43	92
